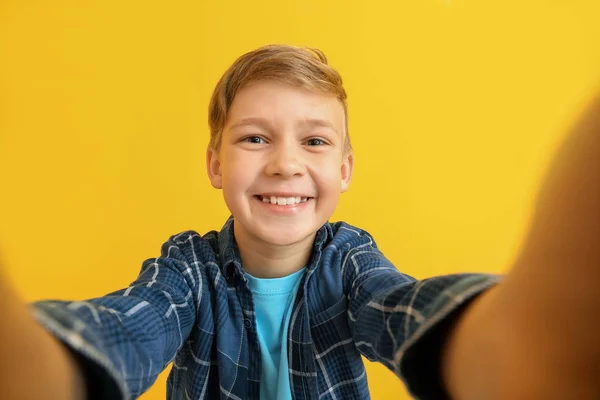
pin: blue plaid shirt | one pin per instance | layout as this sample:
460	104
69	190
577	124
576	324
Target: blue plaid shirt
192	306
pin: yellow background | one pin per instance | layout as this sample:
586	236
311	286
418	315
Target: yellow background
455	110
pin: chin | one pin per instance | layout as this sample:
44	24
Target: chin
284	237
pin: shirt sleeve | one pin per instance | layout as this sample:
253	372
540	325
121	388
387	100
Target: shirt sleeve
402	322
125	339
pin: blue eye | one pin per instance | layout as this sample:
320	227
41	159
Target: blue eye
254	140
315	142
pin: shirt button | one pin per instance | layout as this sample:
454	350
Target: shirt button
247	323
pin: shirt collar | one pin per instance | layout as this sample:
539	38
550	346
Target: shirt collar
231	262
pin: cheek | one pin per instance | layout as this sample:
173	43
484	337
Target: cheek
329	173
235	181
235	168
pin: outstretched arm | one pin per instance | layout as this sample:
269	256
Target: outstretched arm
535	335
34	364
119	342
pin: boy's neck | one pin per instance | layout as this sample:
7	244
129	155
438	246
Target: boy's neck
263	260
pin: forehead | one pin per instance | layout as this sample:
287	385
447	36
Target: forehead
281	104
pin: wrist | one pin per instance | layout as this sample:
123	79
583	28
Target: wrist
503	347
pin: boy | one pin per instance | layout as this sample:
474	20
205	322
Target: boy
281	304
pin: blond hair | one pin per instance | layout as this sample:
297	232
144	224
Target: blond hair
304	67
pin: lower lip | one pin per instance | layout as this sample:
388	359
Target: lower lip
276	208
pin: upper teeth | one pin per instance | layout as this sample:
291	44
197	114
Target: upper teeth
283	201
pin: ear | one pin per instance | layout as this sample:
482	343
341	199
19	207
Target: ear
347	169
213	167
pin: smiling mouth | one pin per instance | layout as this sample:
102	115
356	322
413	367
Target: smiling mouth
283	201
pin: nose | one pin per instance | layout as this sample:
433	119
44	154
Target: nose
285	161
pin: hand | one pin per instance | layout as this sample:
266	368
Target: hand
33	364
535	335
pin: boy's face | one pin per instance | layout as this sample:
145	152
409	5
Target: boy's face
282	144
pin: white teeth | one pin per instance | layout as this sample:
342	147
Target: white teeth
284	201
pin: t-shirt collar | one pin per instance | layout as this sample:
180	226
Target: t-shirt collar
231	262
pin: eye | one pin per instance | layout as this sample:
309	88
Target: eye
315	142
254	140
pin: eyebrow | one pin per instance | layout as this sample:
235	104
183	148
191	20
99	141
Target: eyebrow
317	123
262	122
248	121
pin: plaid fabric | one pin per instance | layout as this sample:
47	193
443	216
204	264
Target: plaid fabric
192	306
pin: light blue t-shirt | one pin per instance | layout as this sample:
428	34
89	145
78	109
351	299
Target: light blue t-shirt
273	303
